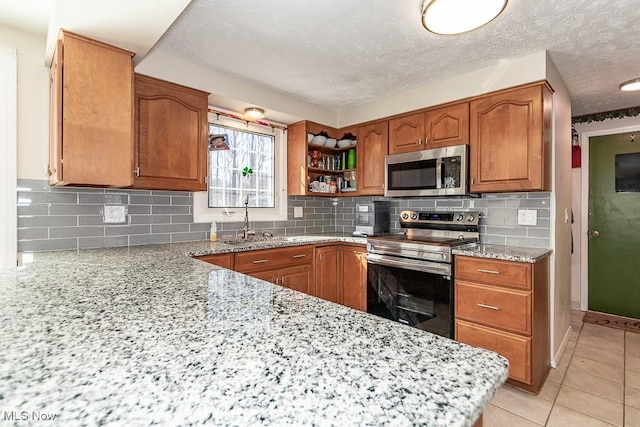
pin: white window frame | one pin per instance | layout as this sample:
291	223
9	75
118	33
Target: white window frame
203	213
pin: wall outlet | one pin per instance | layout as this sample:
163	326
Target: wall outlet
297	212
527	217
115	214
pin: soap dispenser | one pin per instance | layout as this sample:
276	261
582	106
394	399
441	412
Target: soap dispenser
214	232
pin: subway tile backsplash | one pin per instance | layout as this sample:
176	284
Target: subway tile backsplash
52	218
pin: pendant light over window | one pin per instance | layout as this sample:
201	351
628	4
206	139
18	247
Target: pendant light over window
459	16
254	113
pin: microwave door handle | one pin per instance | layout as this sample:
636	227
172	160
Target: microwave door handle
439	173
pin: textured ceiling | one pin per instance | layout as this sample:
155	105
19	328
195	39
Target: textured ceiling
340	54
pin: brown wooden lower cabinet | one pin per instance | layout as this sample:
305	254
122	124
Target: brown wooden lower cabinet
514	347
327	270
337	272
503	306
221	260
353	259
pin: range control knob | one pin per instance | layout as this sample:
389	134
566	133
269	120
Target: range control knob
405	215
470	218
414	215
459	217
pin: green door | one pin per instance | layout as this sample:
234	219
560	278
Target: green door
614	224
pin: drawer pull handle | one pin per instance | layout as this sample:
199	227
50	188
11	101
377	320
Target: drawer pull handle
492	307
299	256
260	261
482	270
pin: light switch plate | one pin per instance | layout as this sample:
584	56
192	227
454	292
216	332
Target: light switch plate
115	214
297	212
527	217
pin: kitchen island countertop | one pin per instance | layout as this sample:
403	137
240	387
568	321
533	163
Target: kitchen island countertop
145	335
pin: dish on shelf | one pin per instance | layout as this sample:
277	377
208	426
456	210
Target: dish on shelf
310	137
319	140
344	143
330	142
353	142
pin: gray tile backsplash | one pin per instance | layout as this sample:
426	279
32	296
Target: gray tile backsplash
69	218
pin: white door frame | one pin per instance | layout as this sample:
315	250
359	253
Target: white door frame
584	220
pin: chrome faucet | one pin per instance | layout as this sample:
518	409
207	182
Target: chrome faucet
245	231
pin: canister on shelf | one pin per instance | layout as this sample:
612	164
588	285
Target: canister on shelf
351	160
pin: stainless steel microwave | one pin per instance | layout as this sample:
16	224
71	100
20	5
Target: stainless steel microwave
435	172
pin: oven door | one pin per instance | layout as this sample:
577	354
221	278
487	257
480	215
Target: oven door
413	292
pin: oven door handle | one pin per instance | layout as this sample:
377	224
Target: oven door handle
426	267
383	247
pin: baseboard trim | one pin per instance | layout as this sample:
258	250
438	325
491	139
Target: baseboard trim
563	346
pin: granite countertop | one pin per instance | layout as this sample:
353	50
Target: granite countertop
146	335
502	252
224	245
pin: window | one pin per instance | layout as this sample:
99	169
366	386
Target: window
227	185
203	212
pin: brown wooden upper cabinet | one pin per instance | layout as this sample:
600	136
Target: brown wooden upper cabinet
510	140
373	141
432	128
170	136
446	126
91	113
406	133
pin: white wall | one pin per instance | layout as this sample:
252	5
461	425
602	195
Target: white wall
33	102
8	147
561	207
233	93
505	74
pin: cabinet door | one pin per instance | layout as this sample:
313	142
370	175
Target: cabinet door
298	278
373	141
266	275
510	140
446	126
95	113
297	150
354	277
171	136
406	134
327	283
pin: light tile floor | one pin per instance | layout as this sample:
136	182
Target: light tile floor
596	383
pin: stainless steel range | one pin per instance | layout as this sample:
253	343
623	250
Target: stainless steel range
410	274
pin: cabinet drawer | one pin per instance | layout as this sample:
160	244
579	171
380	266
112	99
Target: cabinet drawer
503	308
496	272
272	258
515	348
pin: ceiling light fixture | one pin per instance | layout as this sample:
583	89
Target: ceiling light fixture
254	113
459	16
631	85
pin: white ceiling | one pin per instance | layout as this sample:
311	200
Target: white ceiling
340	54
